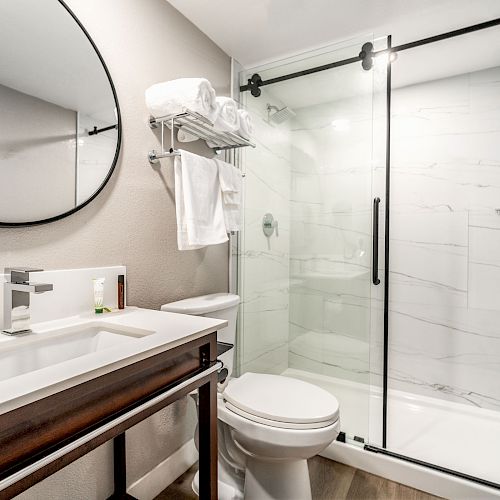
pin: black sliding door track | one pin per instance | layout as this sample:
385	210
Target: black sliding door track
397	48
304	72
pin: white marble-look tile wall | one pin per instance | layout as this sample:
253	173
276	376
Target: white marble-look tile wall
445	239
331	238
264	273
307	294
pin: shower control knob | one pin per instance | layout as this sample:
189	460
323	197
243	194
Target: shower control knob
269	224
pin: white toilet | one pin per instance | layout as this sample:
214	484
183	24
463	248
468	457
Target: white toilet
269	425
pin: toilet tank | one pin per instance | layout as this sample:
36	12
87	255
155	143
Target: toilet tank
215	305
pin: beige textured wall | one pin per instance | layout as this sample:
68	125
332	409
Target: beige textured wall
132	221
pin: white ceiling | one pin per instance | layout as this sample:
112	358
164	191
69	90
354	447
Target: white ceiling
259	31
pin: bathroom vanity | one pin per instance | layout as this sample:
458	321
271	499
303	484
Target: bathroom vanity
116	370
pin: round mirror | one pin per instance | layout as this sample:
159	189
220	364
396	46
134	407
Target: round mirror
59	116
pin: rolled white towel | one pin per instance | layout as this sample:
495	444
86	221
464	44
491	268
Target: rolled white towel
246	124
175	96
183	136
227	117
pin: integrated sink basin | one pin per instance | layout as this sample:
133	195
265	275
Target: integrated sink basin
35	351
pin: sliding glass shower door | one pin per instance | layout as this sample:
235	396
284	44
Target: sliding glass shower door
444	307
308	304
415	361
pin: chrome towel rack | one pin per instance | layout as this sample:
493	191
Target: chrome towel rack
197	125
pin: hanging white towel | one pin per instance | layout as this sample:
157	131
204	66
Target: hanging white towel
246	125
198	202
227	118
175	96
231	187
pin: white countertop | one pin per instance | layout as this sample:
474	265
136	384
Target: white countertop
165	331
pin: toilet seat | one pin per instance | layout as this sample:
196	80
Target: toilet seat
275	423
279	401
275	442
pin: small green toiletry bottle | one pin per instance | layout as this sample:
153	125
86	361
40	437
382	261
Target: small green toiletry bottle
98	295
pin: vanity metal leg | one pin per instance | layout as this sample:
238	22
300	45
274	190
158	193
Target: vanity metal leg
120	469
208	439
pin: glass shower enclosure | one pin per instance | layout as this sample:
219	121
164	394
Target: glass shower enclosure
390	158
306	286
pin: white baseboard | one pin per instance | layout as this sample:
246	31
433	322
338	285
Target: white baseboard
416	476
165	473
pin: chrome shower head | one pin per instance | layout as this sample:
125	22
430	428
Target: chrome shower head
277	115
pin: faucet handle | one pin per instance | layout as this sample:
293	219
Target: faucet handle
21	274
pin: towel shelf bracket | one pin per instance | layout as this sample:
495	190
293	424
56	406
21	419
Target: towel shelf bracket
198	126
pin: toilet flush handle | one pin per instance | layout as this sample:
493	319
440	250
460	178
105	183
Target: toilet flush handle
222	375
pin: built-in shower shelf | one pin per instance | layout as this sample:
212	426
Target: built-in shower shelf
198	126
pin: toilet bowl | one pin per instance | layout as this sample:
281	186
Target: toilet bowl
268	425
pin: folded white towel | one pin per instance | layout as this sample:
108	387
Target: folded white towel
198	202
230	180
246	124
232	217
175	96
227	118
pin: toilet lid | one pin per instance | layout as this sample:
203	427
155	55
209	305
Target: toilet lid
282	399
204	304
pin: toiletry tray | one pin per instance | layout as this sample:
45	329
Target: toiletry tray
197	125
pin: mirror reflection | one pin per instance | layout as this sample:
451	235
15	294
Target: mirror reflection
58	113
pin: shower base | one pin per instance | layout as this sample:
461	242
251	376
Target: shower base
460	437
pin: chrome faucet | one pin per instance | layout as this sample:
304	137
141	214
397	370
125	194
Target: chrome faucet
16	300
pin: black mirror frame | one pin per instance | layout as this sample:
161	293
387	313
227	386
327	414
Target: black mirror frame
118	143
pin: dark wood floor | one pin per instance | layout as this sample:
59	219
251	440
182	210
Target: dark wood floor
329	481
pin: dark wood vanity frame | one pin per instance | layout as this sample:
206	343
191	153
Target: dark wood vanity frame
33	431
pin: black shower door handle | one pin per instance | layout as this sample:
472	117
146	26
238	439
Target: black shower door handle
376	203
